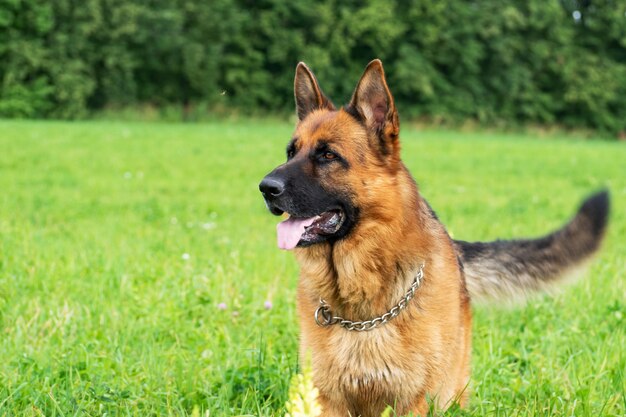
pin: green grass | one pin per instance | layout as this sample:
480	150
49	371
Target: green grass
100	314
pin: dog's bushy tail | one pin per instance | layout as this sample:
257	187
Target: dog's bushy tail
516	268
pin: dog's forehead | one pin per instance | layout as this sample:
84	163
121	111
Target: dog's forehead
334	126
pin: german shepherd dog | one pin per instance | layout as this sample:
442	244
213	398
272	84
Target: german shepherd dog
384	292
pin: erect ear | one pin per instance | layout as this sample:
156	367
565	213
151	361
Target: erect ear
373	101
308	94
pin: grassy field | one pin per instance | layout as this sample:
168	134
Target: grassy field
139	273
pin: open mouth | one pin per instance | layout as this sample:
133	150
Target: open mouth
303	230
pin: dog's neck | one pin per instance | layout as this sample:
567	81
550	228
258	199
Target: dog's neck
364	274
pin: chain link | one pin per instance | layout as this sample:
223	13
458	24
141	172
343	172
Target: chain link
324	316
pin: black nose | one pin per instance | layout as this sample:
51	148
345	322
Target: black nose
272	186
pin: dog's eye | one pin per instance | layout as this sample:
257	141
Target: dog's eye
329	156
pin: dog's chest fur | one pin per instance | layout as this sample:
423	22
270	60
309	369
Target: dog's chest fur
371	367
394	364
365	372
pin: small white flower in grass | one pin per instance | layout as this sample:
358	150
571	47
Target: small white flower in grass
208	226
267	305
221	306
235	314
185	256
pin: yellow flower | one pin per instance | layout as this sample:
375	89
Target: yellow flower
303	395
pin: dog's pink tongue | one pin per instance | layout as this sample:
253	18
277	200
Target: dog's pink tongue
290	231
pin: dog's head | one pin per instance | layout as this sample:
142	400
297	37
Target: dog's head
338	161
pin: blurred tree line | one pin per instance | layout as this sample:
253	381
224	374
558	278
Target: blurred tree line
512	61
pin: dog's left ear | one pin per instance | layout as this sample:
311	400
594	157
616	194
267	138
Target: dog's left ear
373	102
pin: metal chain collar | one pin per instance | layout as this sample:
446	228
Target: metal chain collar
324	316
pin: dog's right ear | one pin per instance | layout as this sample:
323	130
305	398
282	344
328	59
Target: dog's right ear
308	94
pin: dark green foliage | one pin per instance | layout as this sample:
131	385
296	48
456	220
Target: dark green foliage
494	61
